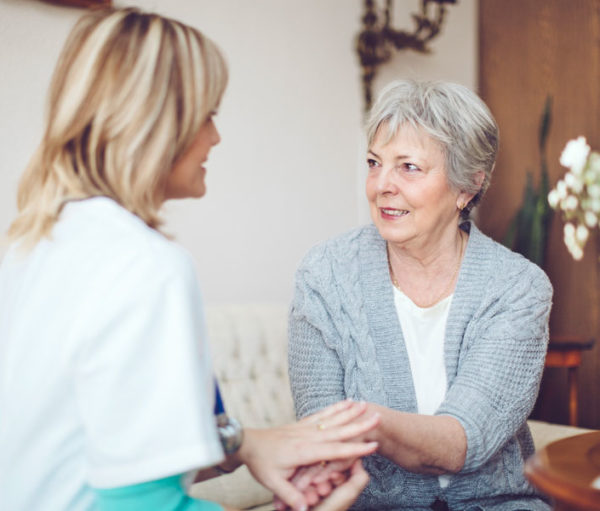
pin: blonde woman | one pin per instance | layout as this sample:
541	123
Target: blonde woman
106	388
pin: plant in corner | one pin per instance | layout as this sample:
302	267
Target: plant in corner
528	231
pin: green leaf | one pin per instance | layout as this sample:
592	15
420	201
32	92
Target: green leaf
545	123
509	237
528	231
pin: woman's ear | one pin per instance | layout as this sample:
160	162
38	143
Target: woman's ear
479	178
465	197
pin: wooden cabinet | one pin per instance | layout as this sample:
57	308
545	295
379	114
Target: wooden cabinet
529	50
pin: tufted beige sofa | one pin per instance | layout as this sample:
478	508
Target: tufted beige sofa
249	350
248	345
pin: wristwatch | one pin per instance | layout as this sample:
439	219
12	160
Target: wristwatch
231	433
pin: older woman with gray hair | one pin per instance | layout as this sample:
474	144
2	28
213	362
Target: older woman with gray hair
440	329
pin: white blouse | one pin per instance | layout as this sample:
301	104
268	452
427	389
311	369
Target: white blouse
424	331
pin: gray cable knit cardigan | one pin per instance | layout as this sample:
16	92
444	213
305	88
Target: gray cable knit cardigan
345	340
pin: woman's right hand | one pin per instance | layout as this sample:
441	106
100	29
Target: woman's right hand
273	455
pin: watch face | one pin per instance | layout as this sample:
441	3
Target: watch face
230	433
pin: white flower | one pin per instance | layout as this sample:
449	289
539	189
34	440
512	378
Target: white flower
569	179
574	182
576	252
591	219
594	163
561	189
572	245
569	231
594	191
574	155
590	177
582	234
570	203
577	194
553	199
569	242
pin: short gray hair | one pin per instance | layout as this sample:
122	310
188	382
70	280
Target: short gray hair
454	116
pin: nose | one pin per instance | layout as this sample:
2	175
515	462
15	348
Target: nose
215	136
385	183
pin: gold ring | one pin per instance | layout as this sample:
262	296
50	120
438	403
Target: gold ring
320	426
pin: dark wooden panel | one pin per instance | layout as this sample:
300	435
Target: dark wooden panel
529	50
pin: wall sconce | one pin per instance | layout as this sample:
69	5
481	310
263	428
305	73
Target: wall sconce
80	3
375	42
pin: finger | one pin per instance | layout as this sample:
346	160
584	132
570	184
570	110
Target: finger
326	412
345	415
336	466
334	451
337	478
352	430
344	495
359	475
312	496
322	473
323	489
287	493
304	477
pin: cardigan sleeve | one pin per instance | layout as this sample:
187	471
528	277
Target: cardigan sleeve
315	370
499	374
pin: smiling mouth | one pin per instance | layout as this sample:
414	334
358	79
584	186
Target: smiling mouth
394	212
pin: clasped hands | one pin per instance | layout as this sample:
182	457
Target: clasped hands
316	461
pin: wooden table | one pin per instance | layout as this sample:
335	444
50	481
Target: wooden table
565	351
566	469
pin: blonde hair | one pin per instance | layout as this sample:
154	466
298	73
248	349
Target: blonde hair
129	93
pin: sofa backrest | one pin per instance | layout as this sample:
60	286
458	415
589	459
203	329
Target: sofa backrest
249	352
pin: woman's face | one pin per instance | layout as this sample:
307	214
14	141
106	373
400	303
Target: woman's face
408	192
186	178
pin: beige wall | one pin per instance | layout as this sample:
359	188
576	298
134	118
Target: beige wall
289	170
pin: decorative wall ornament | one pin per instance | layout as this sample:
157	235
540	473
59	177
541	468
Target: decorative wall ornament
378	38
80	3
